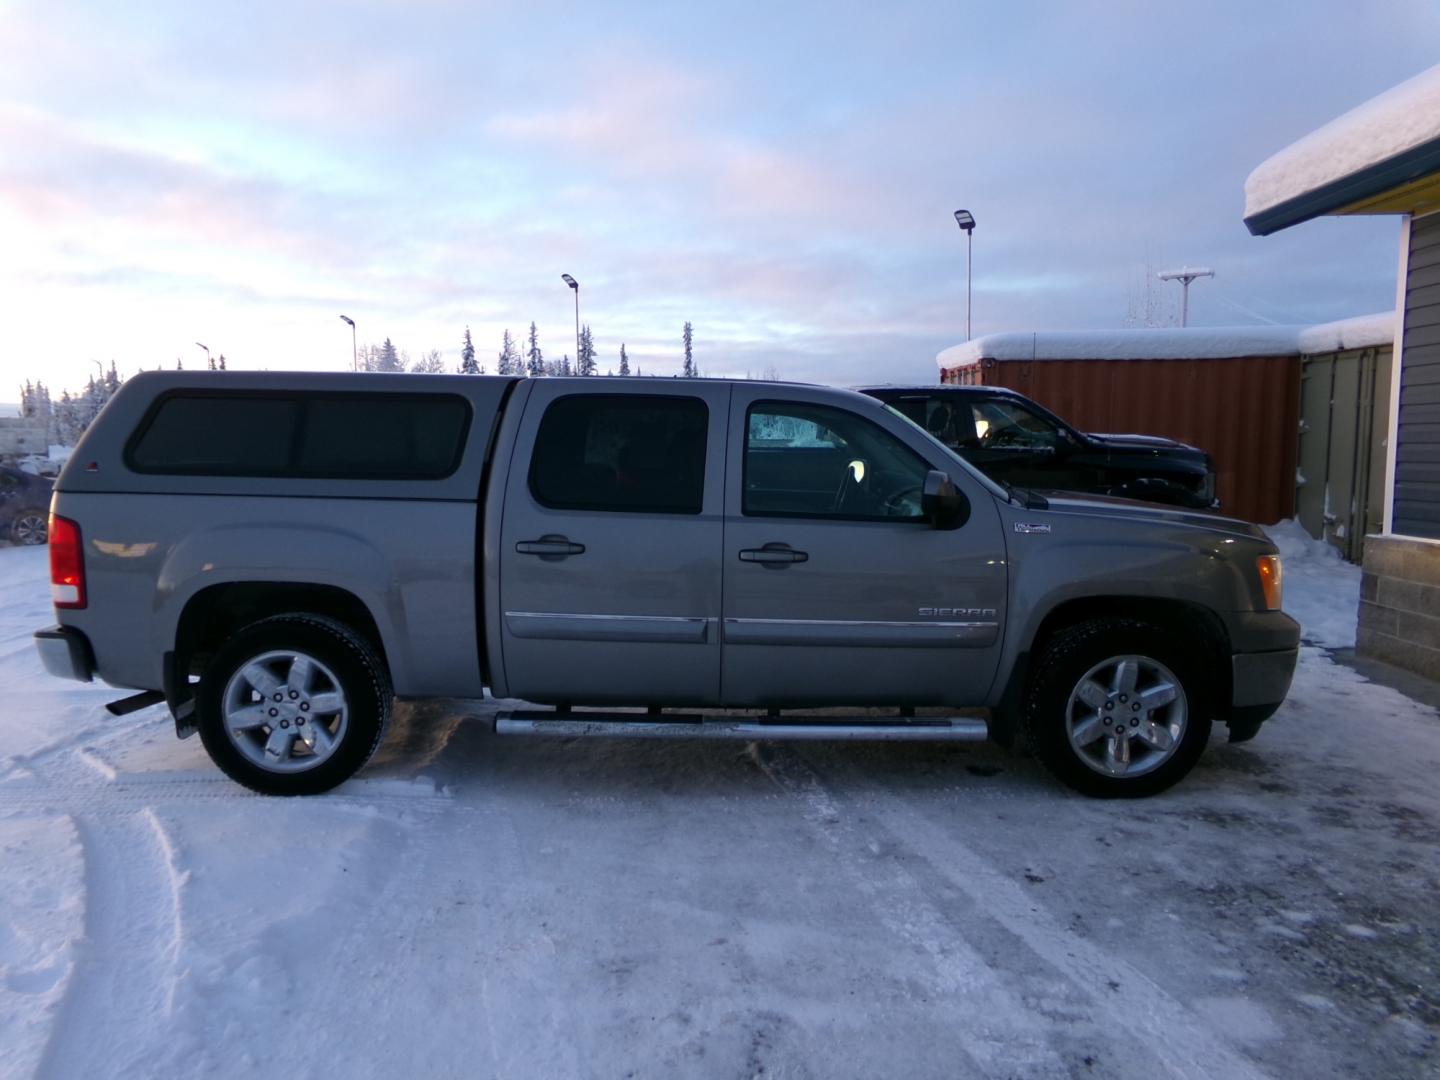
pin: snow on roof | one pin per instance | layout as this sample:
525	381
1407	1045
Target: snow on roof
1399	120
1191	343
1361	332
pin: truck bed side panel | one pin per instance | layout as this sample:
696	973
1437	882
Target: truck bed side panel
410	562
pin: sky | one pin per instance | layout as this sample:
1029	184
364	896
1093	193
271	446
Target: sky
783	176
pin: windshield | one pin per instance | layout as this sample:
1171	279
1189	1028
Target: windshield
990	485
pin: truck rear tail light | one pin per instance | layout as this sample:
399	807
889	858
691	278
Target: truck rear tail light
1271	578
67	564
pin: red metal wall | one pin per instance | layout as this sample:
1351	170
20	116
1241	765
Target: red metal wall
1245	411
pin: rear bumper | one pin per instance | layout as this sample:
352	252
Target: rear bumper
66	653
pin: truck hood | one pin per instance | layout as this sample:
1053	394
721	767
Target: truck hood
1068	502
1143	442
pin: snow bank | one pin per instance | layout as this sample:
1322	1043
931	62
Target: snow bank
1398	120
1322	590
1190	343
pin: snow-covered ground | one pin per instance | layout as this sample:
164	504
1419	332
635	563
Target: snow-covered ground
473	906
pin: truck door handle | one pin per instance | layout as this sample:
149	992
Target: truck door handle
773	555
550	547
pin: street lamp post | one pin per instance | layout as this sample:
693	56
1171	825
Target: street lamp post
966	221
575	285
354	352
207	353
1185	276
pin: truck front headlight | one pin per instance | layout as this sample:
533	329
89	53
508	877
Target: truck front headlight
1271	575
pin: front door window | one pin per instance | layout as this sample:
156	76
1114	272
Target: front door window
817	461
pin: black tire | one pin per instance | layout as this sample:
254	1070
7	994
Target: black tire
30	527
358	673
1051	712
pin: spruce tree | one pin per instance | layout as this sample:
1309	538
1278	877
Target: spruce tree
65	418
624	361
389	358
689	370
44	410
585	358
535	359
508	362
468	366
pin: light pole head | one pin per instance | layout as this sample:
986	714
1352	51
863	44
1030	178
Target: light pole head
348	319
203	346
1186	274
570	281
965	220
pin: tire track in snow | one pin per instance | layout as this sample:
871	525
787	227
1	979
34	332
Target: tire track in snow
124	797
996	1030
1181	1043
72	777
119	1016
125	975
445	917
81	740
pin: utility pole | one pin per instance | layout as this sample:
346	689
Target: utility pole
1185	275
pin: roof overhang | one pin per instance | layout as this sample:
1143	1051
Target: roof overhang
1408	183
1381	157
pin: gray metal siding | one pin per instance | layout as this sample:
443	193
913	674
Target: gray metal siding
1417	449
1344	418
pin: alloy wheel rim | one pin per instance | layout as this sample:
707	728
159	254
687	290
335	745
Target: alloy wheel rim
285	711
30	529
1126	716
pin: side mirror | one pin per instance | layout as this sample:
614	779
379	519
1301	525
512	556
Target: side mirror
942	502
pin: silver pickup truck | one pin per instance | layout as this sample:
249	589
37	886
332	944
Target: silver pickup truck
277	556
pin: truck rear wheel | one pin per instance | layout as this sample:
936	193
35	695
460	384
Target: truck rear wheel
293	705
1117	708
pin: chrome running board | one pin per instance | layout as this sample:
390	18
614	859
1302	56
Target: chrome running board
570	725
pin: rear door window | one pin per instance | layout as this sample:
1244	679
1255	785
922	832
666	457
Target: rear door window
621	453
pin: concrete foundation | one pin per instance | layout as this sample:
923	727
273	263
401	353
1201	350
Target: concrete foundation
1400	604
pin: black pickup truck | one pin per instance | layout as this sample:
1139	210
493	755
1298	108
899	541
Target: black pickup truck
1017	441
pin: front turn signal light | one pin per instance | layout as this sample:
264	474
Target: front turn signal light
1271	576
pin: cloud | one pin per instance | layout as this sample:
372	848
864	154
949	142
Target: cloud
783	181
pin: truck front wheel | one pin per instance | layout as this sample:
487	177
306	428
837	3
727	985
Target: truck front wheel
1117	708
293	705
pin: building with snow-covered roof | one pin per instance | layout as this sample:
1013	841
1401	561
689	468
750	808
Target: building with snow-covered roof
1189	343
1384	158
1238	392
